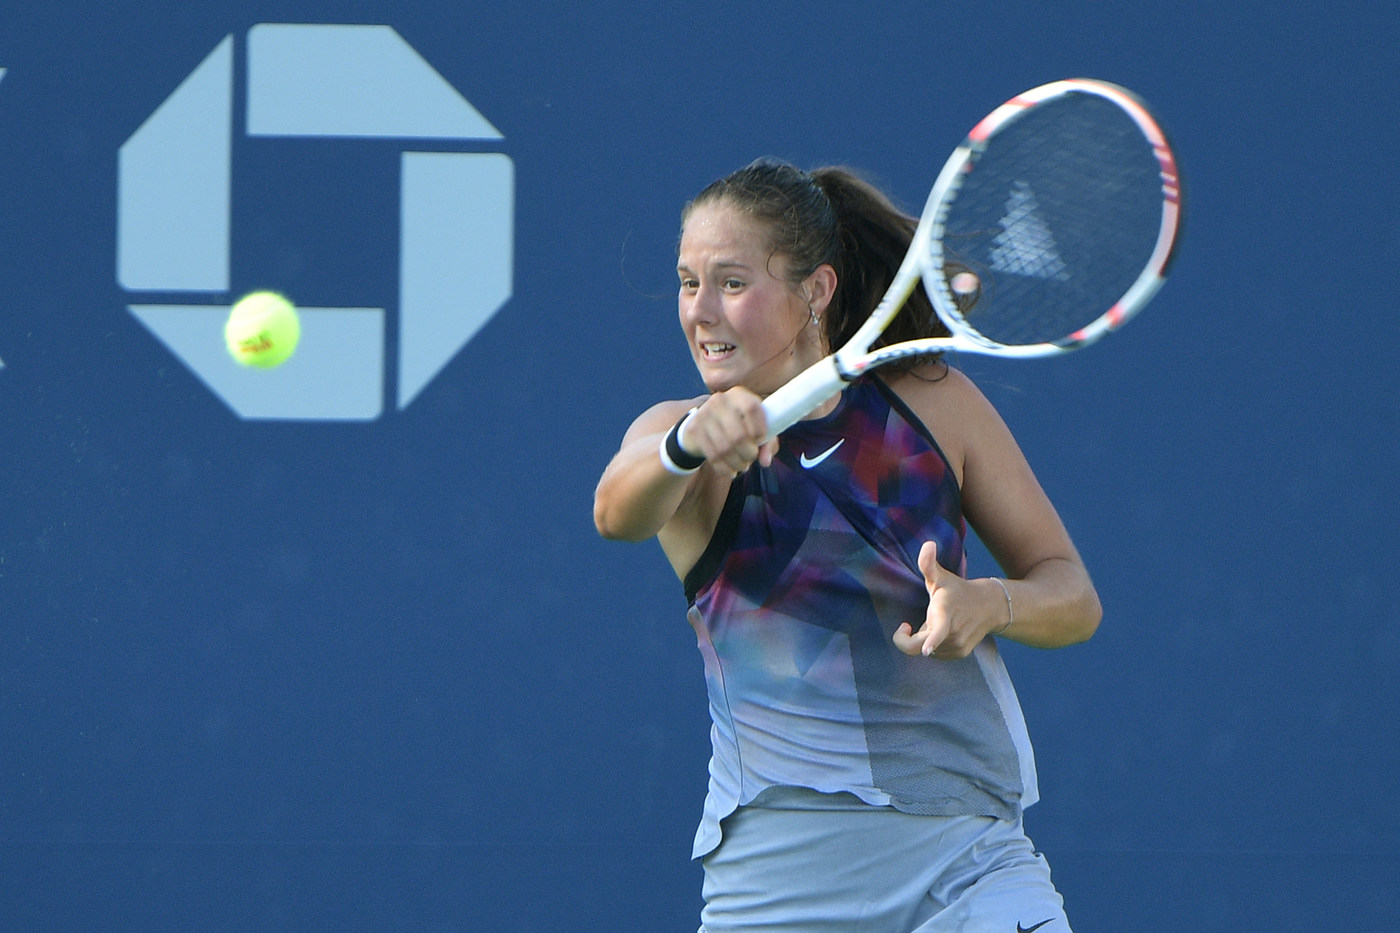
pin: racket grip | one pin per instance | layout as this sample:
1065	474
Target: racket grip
801	394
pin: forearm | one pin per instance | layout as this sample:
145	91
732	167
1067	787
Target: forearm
637	495
1053	604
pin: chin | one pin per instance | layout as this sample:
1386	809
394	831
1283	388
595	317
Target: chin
717	380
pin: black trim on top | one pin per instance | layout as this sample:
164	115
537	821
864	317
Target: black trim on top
721	540
917	423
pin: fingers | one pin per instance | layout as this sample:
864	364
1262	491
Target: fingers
930	567
938	621
926	642
946	633
906	641
767	451
934	634
728	431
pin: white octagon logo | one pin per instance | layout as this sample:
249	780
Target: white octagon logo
345	81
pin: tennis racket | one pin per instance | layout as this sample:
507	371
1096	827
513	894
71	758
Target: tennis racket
1052	224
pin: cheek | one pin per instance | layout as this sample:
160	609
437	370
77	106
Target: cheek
774	318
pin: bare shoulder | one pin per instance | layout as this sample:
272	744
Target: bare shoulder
688	528
951	406
938	381
659	417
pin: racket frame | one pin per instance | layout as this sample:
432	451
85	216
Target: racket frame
924	261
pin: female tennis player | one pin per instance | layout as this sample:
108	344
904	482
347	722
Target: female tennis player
870	760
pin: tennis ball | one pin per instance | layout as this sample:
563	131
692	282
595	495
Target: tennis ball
262	330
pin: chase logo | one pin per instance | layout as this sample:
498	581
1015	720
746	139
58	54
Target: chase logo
456	215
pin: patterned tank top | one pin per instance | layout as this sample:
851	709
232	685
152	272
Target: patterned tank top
812	566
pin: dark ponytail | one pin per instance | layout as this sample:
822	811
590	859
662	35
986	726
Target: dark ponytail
834	216
874	237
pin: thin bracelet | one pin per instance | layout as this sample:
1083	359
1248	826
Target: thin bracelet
675	458
1010	614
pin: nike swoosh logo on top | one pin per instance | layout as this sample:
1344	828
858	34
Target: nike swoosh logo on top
809	462
1021	929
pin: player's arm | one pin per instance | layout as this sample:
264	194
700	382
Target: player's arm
637	495
1053	600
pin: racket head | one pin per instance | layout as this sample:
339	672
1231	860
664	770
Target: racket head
1065	204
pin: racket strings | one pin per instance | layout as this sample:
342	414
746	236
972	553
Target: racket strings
1057	218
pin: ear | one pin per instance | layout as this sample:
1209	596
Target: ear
819	287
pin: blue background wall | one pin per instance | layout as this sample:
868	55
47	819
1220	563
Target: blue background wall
383	675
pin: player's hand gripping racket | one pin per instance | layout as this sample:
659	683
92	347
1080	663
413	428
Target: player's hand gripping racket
1051	224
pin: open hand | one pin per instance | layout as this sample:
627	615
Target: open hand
956	620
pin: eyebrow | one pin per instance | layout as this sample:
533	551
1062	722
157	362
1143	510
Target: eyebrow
722	265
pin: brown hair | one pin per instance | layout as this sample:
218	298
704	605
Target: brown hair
832	215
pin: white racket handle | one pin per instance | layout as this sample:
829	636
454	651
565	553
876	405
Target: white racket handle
801	394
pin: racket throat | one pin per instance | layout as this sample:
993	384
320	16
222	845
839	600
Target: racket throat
805	393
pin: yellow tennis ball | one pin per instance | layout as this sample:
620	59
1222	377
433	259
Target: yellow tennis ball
262	330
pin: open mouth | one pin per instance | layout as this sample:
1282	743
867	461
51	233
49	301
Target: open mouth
715	350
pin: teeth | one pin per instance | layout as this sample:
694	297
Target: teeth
716	347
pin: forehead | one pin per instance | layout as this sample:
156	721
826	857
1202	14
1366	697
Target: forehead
716	230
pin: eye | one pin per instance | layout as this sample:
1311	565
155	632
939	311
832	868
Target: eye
733	284
689	283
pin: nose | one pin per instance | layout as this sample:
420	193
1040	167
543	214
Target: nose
700	306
